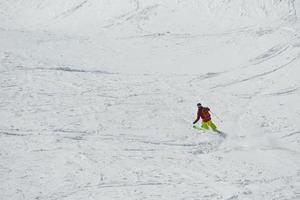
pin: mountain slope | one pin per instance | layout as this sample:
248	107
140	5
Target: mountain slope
97	99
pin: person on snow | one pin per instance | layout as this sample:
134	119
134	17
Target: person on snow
203	113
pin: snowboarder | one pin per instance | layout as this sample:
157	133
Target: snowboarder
203	113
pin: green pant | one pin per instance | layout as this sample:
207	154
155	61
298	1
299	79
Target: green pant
206	125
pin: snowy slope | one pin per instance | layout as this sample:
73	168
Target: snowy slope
98	96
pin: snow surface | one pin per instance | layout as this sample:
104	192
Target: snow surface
98	97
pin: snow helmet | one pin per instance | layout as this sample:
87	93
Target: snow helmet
199	105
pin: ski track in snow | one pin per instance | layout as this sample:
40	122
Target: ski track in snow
85	157
97	117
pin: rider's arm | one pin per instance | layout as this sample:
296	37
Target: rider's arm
198	117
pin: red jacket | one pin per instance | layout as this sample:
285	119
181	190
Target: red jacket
204	114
